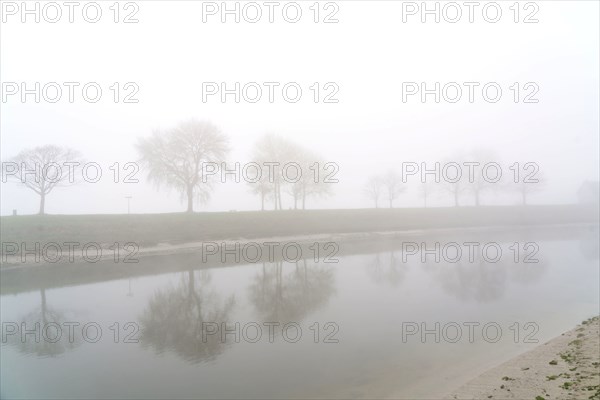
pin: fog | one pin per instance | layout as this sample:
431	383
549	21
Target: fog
326	199
368	54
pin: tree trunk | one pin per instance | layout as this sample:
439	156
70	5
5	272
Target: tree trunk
391	201
279	195
43	308
304	197
191	283
190	199
42	203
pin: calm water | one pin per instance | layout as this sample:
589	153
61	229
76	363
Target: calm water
355	310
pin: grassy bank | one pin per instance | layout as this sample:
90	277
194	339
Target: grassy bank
18	277
151	229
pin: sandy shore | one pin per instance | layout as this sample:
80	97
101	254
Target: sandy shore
566	367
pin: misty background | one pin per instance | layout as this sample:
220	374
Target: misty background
368	54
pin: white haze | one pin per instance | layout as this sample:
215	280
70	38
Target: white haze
369	53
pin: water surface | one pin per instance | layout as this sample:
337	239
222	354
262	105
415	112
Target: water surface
360	307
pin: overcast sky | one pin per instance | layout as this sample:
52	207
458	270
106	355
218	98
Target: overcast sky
369	53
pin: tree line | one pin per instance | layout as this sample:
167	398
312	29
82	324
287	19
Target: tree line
390	185
175	159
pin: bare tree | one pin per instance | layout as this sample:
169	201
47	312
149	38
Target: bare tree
477	187
393	185
373	189
312	180
296	173
527	186
262	187
44	168
426	189
455	189
478	183
273	151
318	186
175	158
453	182
304	171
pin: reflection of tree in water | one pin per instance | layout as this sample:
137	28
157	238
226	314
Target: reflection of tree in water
392	274
590	246
527	273
54	338
289	297
173	319
478	280
481	280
